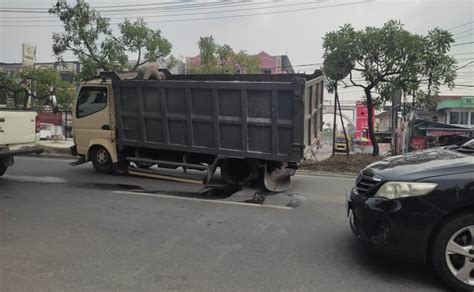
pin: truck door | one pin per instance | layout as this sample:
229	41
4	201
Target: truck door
92	117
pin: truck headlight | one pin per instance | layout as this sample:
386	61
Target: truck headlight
397	189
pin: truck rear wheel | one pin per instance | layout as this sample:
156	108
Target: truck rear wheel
101	160
238	171
3	169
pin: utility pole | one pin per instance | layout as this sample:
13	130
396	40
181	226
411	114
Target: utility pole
335	123
396	102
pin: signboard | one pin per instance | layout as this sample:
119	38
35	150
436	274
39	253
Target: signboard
418	143
362	121
439	133
28	55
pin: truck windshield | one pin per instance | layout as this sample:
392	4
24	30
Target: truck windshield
90	101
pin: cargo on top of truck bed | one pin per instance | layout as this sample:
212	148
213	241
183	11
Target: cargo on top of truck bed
251	126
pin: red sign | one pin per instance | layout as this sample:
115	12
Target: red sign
418	143
362	121
50	118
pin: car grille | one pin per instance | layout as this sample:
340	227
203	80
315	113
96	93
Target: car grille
365	184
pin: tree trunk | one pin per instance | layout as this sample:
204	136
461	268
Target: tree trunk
370	117
334	127
342	121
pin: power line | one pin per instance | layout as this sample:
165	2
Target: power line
465	65
464	36
461	25
458	54
461	32
183	14
217	5
222	17
114	6
118	7
462	44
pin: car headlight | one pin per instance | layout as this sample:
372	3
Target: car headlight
397	189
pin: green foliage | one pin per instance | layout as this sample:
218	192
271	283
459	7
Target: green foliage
222	59
89	37
31	87
391	60
138	38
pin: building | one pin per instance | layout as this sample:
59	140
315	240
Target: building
269	64
418	127
457	110
68	70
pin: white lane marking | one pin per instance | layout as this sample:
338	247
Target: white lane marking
203	200
44	158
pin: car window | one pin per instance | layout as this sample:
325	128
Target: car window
469	144
90	101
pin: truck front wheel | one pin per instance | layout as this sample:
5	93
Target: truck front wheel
101	160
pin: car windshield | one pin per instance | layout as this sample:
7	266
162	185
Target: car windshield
468	145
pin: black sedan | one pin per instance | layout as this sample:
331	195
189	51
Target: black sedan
421	205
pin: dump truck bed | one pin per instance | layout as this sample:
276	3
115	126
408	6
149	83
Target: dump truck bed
269	117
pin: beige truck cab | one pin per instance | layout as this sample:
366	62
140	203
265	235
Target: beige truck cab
94	126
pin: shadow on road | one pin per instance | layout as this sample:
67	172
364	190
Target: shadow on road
392	268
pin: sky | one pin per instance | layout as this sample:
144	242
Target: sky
278	27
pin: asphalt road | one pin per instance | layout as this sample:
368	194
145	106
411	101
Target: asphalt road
66	228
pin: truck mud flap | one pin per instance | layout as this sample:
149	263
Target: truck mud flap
278	179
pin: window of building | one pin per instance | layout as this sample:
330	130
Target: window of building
267	71
458	118
91	100
472	118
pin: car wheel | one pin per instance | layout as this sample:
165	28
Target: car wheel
101	160
452	253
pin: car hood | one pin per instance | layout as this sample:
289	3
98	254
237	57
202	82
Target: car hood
422	164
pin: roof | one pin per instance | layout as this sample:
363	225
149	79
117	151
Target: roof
460	102
429	125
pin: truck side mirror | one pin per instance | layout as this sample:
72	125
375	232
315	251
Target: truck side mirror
53	102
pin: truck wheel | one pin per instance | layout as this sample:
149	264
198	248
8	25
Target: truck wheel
238	171
101	160
452	252
3	169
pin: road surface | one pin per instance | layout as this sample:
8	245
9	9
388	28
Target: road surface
70	229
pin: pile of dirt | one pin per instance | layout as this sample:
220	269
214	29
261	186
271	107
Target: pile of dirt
340	163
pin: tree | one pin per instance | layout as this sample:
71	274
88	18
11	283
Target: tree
217	58
89	37
138	38
391	58
30	88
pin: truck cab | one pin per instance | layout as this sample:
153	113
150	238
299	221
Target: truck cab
93	126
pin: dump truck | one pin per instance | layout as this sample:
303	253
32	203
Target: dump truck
255	127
